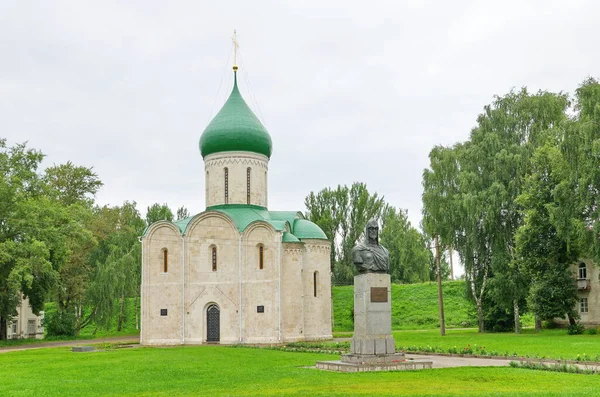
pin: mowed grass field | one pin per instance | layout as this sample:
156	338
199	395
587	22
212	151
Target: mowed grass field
241	371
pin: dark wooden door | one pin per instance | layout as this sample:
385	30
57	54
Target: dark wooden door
213	331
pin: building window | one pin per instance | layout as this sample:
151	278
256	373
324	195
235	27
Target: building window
261	257
31	327
226	185
582	271
583	305
248	170
213	258
165	260
15	326
315	277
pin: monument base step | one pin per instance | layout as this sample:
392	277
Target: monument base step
406	365
372	358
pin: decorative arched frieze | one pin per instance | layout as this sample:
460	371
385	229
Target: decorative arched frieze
224	162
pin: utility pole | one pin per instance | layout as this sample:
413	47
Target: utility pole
439	281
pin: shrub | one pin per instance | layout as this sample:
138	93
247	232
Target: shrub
60	324
592	331
575	329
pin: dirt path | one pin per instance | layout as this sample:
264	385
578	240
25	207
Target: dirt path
44	345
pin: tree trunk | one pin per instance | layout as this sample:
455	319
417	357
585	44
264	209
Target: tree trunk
3	329
479	315
517	317
121	304
572	320
538	324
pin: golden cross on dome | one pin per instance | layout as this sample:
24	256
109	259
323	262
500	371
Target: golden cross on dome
235	49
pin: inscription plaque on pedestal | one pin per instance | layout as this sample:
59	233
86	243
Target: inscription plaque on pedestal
379	294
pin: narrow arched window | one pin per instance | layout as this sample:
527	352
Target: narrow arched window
207	184
261	257
248	171
226	185
582	271
165	260
315	279
213	258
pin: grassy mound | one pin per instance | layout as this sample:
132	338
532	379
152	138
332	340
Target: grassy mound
414	306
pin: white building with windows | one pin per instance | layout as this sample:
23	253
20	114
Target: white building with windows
588	291
236	272
587	277
25	324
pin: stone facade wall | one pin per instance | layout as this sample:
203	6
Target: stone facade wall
237	164
205	286
317	309
592	293
268	305
293	291
162	291
587	288
260	287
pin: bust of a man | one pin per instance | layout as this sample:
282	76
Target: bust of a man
368	256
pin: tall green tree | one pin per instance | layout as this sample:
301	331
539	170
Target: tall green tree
546	245
343	214
471	190
410	256
75	188
327	209
158	212
72	184
35	233
182	213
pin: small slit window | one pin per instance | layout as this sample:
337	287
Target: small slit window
315	280
248	172
213	258
165	260
226	171
261	257
582	271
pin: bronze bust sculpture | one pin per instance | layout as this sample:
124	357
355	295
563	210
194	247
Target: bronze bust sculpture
368	256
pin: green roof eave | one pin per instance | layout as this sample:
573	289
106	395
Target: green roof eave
290	238
243	215
305	229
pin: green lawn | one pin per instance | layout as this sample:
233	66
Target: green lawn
229	371
548	343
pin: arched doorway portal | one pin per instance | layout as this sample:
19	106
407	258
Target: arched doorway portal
213	327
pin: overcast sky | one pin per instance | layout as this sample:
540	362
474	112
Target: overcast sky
349	90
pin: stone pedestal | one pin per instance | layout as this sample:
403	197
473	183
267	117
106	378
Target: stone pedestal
373	347
372	315
373	342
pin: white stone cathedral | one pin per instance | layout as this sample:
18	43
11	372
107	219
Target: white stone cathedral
237	272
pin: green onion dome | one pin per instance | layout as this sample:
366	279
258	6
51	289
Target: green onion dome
235	128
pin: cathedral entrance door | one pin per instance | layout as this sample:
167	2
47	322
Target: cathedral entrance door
213	332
